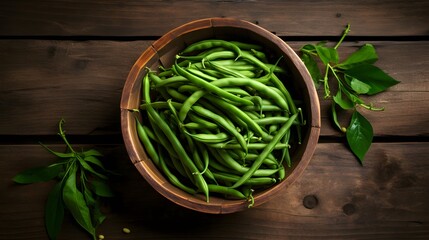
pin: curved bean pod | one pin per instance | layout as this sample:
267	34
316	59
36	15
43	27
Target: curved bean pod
266	151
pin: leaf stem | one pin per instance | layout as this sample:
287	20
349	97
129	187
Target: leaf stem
334	73
370	107
309	52
63	135
346	31
325	82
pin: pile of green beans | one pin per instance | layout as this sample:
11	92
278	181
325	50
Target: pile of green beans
219	120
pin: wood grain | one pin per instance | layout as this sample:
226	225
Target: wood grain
154	18
384	199
70	59
77	80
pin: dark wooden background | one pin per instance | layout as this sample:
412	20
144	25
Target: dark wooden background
70	59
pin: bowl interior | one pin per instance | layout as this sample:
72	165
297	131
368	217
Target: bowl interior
163	52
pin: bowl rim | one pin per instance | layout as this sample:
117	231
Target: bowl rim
138	155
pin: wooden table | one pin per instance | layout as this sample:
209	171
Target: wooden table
70	59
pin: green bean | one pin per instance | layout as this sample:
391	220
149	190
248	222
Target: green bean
193	125
171	80
195	154
248	192
274	79
153	77
276	90
245	73
256	181
225	159
176	95
211	43
276	68
226	71
161	138
189	102
218	55
235	111
265	152
156	79
178	166
260	55
237	91
160	105
177	146
205	54
210	87
222	62
273	128
209	51
264	108
213	73
206	124
240	67
150	133
166	73
206	159
172	178
209	57
270	160
250	146
260	87
209	138
216	166
223	123
150	149
246	46
201	74
253	115
281	173
285	151
209	106
226	191
188	88
273	120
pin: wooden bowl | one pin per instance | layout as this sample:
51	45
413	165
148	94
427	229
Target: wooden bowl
163	51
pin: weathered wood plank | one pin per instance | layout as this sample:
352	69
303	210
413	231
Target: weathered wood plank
385	199
42	81
154	18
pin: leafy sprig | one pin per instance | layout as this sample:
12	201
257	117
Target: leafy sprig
81	181
353	77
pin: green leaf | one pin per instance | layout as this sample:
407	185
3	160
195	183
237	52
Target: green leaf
94	160
58	154
366	54
38	174
322	43
378	80
327	54
344	103
359	135
334	116
97	216
92	152
88	168
312	68
76	204
359	87
101	188
54	211
308	48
